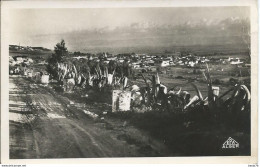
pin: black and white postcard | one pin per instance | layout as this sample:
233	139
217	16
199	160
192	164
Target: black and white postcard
129	81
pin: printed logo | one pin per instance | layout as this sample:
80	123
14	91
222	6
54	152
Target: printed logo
230	143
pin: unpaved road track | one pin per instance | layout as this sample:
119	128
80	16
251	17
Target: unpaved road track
44	124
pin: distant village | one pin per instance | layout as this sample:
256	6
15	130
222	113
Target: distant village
164	60
136	60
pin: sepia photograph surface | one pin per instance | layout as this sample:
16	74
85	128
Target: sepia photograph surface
128	82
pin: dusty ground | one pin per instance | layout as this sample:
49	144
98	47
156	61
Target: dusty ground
44	124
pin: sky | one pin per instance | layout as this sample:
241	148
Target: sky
25	25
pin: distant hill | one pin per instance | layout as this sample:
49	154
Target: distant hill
232	32
227	35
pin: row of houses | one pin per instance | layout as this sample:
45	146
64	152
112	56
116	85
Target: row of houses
192	61
136	60
17	60
162	60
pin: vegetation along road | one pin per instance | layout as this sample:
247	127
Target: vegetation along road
44	124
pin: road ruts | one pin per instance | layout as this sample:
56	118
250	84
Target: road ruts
43	125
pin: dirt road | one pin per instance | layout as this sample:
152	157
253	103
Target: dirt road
45	124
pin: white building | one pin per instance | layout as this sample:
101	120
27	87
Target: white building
165	63
235	61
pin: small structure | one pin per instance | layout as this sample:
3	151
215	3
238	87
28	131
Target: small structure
30	74
235	61
165	63
68	84
45	79
121	100
191	64
215	90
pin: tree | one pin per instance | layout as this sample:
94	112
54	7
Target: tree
60	51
